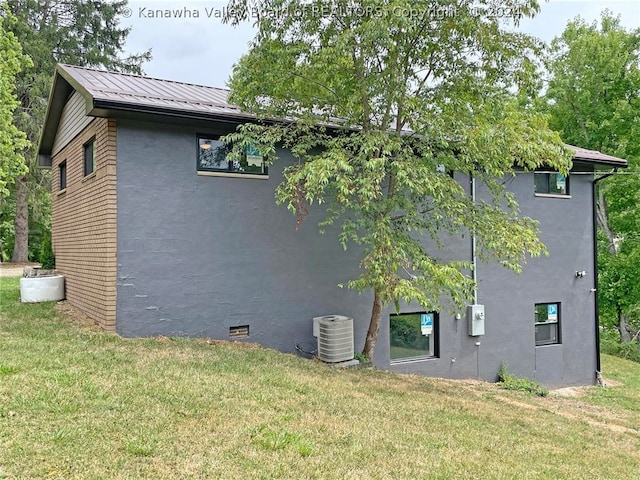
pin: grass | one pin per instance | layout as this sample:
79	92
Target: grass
78	403
509	381
610	344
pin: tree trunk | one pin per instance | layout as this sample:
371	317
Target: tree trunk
603	221
374	327
623	327
21	222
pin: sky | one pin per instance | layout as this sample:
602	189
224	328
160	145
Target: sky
199	48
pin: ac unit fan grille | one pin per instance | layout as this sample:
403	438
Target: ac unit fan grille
335	338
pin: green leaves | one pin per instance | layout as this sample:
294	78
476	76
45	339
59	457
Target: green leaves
593	101
12	140
76	32
378	100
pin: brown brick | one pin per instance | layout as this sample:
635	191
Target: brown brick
84	223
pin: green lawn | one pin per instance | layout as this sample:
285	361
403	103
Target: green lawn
78	403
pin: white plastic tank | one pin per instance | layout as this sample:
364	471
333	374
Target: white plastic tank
42	289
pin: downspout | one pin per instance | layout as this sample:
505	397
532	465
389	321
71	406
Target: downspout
595	266
474	275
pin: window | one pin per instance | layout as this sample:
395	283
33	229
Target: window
212	157
441	168
62	173
413	335
90	157
547	323
551	183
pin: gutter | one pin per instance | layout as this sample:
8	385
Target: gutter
595	265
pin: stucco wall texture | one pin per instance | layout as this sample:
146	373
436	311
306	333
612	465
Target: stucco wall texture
198	255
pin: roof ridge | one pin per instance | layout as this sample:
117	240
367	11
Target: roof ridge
144	77
172	99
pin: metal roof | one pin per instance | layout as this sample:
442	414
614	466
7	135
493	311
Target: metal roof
127	89
112	93
594	156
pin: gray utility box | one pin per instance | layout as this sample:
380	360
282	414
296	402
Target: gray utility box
335	338
475	318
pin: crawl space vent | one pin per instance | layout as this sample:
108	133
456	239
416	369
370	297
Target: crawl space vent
241	331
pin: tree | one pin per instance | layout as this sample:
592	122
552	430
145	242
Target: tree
12	139
593	97
387	96
65	31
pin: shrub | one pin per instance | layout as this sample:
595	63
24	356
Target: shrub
509	381
611	345
47	258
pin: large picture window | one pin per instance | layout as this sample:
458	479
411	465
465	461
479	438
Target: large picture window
551	183
547	323
413	335
212	157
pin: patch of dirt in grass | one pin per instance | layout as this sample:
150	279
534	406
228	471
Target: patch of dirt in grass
75	316
239	344
599	417
564	402
14	269
612	383
569	407
571	392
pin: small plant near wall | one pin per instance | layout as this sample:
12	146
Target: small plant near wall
509	381
47	258
361	357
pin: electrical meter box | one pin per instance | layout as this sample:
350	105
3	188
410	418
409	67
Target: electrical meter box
475	318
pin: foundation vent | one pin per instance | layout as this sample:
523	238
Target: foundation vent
240	331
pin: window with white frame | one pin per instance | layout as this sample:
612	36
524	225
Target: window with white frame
413	335
212	157
547	323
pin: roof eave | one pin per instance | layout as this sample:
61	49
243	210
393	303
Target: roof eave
63	85
106	108
609	163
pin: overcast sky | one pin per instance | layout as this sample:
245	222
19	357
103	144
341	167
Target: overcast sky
198	48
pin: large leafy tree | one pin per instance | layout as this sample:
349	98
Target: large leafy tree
76	32
593	97
12	139
386	96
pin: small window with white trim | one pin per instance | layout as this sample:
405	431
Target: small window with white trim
213	157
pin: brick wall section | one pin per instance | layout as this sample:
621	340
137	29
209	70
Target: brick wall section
84	223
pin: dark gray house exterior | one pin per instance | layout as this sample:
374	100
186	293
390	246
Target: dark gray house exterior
157	236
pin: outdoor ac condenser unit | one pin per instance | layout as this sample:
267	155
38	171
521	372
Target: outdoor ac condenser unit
335	338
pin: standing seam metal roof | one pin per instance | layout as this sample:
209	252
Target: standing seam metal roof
126	91
152	92
595	156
